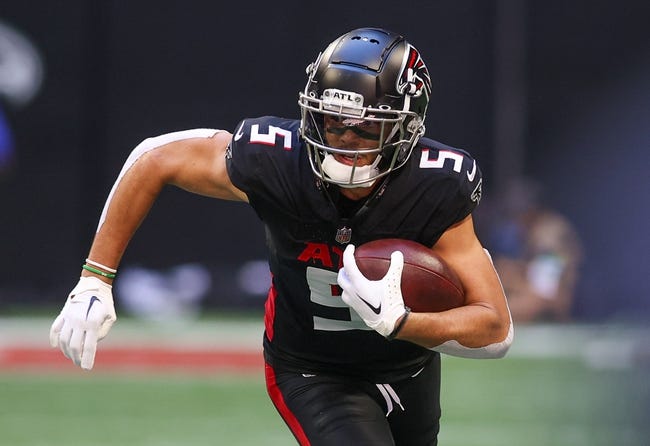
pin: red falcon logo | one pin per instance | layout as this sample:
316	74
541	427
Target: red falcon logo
415	78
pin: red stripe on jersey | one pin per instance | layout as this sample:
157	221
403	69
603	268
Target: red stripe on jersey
286	414
269	311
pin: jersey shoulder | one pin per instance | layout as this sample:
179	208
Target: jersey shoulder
434	161
266	160
267	131
437	157
261	148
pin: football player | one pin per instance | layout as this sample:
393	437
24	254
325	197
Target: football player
346	361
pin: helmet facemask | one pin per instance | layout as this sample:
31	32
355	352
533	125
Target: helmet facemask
387	127
345	96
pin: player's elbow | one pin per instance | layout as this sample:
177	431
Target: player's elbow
501	334
500	348
495	350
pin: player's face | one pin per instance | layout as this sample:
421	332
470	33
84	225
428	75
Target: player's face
356	134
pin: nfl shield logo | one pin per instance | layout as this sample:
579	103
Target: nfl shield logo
343	235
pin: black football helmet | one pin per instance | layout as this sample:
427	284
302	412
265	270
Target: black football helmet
374	83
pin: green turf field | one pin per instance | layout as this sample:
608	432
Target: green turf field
517	401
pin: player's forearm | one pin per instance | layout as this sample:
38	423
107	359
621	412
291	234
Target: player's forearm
129	202
471	325
476	330
141	179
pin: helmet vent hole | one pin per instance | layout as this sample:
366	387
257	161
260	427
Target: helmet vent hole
365	39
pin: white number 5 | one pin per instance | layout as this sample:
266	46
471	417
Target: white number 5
269	138
437	163
323	286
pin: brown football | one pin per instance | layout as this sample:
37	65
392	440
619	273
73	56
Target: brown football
428	283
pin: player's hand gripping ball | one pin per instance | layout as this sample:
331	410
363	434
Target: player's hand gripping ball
378	302
428	284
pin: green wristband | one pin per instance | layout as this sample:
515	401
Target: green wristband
98	271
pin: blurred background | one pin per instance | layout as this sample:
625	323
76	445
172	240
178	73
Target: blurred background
552	98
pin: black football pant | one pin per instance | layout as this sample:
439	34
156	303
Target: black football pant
333	410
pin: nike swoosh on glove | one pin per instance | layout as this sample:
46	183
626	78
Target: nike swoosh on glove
378	302
86	317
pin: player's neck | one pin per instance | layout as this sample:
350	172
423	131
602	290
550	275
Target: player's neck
356	193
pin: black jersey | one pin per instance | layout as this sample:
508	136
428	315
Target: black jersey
308	224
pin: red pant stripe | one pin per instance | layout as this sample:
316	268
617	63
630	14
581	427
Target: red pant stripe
286	414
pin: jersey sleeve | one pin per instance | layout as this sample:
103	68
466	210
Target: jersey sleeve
453	182
469	187
260	155
243	162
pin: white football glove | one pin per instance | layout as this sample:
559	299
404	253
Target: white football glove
86	317
378	302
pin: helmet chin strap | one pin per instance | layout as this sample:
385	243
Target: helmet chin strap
342	173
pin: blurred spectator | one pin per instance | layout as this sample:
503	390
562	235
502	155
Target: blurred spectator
175	294
21	76
536	251
21	66
6	143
